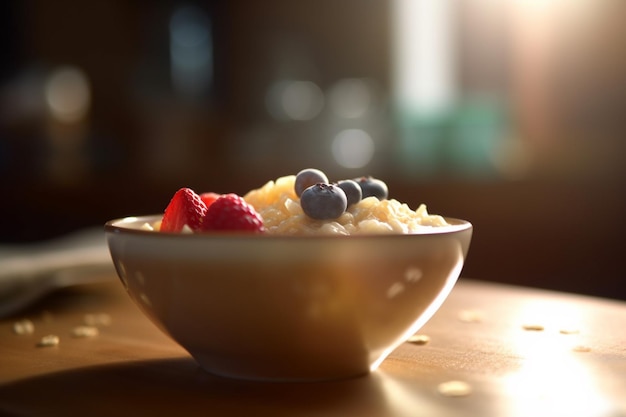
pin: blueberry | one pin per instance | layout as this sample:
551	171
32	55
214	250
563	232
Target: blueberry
353	191
372	187
308	177
323	201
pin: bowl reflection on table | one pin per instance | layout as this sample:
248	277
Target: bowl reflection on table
286	307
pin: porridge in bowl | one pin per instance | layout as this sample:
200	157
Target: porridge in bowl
302	204
298	280
279	206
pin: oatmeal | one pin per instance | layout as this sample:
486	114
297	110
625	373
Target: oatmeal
278	205
303	204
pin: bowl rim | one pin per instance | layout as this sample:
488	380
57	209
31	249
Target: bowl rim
122	225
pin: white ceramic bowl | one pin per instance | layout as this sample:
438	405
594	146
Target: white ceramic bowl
285	307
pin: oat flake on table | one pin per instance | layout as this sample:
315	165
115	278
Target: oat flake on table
569	330
533	327
85	331
23	327
454	388
48	341
419	339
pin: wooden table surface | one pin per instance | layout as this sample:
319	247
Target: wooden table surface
521	352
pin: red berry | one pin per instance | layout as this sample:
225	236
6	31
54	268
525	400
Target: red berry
231	212
185	208
209	198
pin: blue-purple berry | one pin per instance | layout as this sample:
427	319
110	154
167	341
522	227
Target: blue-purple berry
323	201
353	191
372	187
308	177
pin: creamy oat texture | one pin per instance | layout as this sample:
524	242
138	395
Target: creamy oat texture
280	209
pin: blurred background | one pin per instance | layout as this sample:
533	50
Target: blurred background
508	113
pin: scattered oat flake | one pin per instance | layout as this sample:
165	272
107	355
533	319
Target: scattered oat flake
471	316
569	331
23	327
533	327
419	339
85	331
100	319
47	341
454	389
581	348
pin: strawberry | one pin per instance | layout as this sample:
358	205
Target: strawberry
209	198
231	212
185	208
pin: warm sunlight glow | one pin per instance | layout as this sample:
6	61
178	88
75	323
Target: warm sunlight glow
552	379
553	316
402	401
423	55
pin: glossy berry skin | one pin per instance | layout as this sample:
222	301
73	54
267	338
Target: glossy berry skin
308	177
185	208
353	191
323	201
231	212
372	187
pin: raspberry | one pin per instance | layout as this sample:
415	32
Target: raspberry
209	198
185	208
231	212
